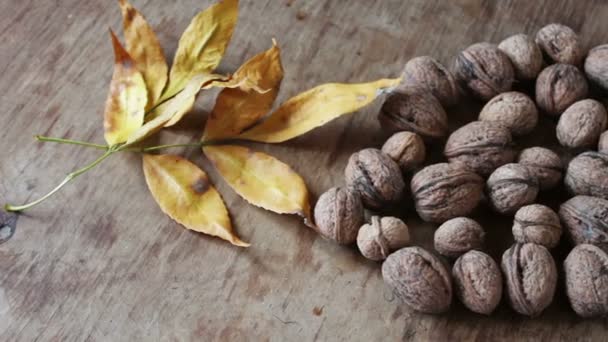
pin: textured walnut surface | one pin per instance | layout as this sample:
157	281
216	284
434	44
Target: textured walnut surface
558	86
477	282
585	219
484	70
560	44
375	177
420	113
596	66
444	191
530	276
526	57
587	174
510	187
457	236
481	146
377	239
405	148
581	124
544	164
586	270
419	279
338	215
426	74
537	223
514	110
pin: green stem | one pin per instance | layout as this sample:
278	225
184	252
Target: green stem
70	142
71	176
160	147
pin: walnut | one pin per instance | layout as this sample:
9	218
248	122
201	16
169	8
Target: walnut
457	236
376	240
558	86
444	191
338	215
544	164
484	70
560	44
525	55
481	146
586	220
595	66
419	279
478	282
420	113
587	174
405	148
586	271
602	145
530	277
511	187
426	74
375	177
581	124
538	224
514	110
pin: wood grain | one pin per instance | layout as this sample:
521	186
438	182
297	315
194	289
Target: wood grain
101	262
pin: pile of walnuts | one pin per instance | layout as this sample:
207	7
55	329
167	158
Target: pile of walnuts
483	164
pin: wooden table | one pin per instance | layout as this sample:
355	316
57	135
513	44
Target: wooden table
99	261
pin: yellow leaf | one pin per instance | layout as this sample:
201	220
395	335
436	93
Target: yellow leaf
315	107
176	107
261	179
236	109
183	192
144	48
203	44
126	103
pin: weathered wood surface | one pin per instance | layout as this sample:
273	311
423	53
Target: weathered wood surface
101	262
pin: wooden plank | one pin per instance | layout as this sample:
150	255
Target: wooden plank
101	262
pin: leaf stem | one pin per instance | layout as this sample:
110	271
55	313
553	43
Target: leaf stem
70	142
71	176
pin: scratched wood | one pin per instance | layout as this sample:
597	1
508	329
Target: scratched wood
99	261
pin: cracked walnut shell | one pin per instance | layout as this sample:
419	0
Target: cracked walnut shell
377	239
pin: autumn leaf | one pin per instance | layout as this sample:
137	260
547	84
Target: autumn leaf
203	44
144	48
315	108
236	109
126	103
183	191
261	179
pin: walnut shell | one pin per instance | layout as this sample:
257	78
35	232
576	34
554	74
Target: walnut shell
560	44
444	191
587	174
375	177
544	164
558	86
484	70
537	223
581	124
425	74
420	113
602	145
514	110
405	148
419	279
595	66
525	55
586	271
481	146
457	236
338	215
586	220
478	282
511	187
377	239
530	277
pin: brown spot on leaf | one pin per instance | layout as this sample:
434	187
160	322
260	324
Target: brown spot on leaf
130	14
317	311
201	185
